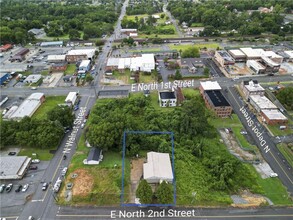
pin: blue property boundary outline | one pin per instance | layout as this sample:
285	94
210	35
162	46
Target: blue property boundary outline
123	168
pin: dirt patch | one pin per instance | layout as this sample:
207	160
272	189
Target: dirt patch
83	183
135	175
250	200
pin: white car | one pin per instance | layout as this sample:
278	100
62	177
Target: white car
25	187
82	125
64	171
35	161
273	174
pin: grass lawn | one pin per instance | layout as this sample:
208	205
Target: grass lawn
27	73
158	35
42	154
275	129
272	188
125	76
144	78
49	104
189	92
70	70
145	50
45	72
186	46
197	25
287	152
132	17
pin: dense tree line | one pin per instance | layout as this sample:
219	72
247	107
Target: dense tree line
285	96
56	19
37	133
217	16
194	136
144	7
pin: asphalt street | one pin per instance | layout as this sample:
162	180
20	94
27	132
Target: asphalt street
262	139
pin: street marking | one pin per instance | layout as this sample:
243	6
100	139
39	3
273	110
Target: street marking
233	97
38	200
16	217
281	167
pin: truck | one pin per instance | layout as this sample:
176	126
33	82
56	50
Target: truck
57	185
71	98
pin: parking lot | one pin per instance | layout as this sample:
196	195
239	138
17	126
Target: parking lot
32	177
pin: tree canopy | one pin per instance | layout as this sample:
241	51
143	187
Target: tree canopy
285	96
164	193
144	192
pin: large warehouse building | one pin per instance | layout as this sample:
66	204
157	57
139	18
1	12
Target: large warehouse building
13	167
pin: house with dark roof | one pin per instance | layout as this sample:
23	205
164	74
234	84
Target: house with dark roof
167	98
95	156
215	101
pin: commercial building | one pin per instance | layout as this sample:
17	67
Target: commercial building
158	168
33	78
95	156
6	47
81	54
209	85
52	44
215	101
273	117
270	66
13	167
56	58
270	54
28	107
4	77
128	31
20	55
261	102
224	58
255	66
237	55
84	66
290	55
167	99
71	98
251	88
58	67
143	63
250	53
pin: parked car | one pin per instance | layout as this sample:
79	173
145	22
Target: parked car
45	186
12	153
76	108
273	174
33	88
31	218
87	114
35	161
82	125
25	187
18	188
64	171
69	185
32	167
9	187
2	188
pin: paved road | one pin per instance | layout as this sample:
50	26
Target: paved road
172	19
262	139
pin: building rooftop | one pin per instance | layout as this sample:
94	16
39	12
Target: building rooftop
13	167
94	154
112	61
237	53
289	53
262	102
274	114
210	85
217	98
167	95
88	52
249	52
269	62
33	77
225	55
158	167
253	86
256	65
84	63
3	74
56	57
51	43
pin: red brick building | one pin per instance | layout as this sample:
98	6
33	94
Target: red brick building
58	67
215	101
273	117
5	47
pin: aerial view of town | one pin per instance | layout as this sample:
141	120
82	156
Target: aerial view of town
146	109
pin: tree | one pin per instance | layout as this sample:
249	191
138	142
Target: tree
89	78
190	52
63	114
285	96
164	193
144	192
73	34
99	43
206	71
178	75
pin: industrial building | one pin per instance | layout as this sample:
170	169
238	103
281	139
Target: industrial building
4	77
80	54
270	65
13	167
33	78
144	63
273	117
290	55
167	98
56	58
237	55
224	58
261	102
215	101
20	55
250	53
28	107
251	87
52	44
158	168
270	54
255	66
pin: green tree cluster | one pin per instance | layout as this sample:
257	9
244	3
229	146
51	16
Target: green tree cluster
285	96
190	52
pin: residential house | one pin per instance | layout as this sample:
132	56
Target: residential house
95	156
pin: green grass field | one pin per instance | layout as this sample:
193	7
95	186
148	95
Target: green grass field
49	104
186	46
275	129
70	70
42	154
189	92
287	152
